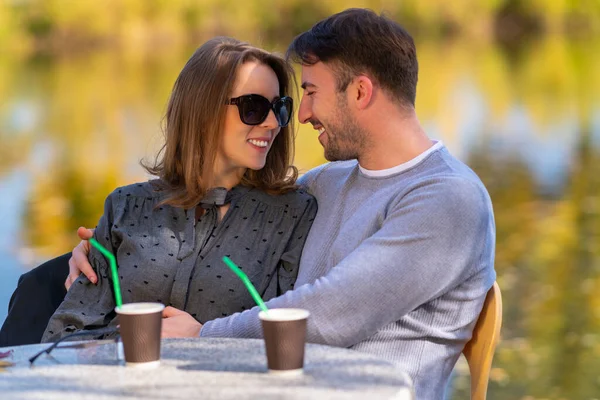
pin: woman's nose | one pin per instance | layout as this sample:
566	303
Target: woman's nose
270	122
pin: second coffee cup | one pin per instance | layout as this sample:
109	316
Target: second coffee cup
284	330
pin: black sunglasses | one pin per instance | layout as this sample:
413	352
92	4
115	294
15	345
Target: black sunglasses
255	108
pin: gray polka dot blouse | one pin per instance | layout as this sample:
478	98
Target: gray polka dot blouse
165	254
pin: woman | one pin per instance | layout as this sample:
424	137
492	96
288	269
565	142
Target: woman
225	187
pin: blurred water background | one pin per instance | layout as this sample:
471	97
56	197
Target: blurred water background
512	87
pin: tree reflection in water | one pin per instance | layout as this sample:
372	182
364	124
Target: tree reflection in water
525	119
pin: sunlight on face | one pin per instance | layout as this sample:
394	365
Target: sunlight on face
327	111
246	146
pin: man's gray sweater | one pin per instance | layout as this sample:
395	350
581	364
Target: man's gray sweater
397	263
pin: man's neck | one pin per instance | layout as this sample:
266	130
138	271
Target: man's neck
394	140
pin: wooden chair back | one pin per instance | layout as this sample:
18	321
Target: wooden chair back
479	351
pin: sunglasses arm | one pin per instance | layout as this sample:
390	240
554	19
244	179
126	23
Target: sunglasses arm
101	331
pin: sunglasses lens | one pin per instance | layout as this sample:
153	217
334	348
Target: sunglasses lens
255	110
283	111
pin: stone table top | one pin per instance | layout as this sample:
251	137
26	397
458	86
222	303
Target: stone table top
199	368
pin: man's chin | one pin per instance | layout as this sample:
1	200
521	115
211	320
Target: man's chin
329	156
338	156
327	153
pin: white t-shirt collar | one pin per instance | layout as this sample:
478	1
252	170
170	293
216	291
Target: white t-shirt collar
404	166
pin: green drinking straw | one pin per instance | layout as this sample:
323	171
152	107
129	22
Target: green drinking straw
247	282
113	268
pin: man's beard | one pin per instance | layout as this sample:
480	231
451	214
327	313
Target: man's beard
345	139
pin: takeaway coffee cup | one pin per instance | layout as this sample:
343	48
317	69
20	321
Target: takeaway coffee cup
141	325
284	330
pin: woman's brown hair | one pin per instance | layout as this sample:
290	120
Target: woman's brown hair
195	118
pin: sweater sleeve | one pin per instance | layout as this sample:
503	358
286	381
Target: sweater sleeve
431	240
88	306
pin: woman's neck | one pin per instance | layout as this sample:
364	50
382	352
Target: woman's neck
228	179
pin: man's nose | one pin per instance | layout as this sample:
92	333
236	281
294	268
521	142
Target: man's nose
304	112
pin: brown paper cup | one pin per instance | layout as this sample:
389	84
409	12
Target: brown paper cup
284	330
141	325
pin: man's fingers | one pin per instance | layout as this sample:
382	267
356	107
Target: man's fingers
84	233
171	312
82	265
72	274
68	282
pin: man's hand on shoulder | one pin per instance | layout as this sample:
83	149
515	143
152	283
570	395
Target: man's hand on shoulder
78	262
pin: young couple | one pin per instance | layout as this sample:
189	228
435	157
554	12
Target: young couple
398	258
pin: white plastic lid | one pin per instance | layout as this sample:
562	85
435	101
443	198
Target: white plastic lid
139	308
284	314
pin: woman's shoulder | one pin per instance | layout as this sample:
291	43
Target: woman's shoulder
295	198
141	189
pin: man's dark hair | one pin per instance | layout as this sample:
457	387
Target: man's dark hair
358	41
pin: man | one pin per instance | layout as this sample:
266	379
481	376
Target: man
400	256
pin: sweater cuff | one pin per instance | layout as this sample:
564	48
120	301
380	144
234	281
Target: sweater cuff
215	329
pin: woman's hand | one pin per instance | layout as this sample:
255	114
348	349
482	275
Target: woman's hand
177	323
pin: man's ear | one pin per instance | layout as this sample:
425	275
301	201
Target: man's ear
362	91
